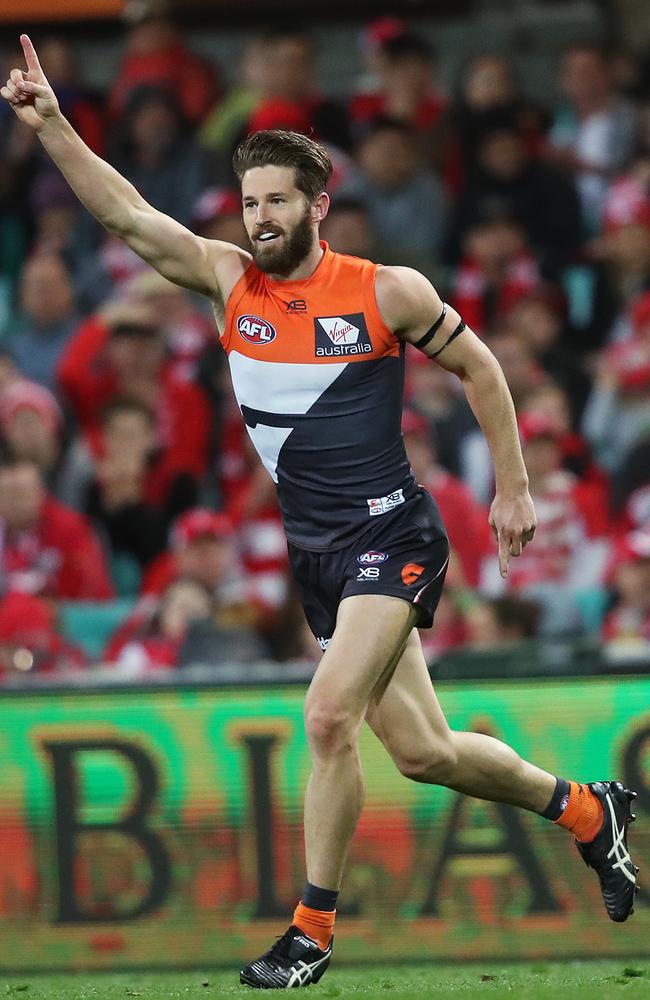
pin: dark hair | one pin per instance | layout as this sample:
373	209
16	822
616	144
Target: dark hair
522	613
121	404
403	47
601	50
10	461
281	148
382	123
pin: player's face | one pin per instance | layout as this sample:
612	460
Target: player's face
279	220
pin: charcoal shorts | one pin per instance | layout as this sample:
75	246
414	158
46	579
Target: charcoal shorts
402	554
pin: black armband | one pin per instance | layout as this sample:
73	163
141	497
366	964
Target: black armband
459	329
430	334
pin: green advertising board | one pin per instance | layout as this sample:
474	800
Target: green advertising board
163	828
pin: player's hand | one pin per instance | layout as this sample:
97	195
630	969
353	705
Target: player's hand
29	93
513	522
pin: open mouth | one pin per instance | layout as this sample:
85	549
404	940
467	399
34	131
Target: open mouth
267	237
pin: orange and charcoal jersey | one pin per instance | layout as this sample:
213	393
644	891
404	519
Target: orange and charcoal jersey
319	380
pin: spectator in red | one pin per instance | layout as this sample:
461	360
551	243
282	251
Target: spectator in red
466	520
186	626
289	95
618	411
31	427
564	557
497	269
551	403
202	548
153	641
407	86
156	55
627	626
187	330
47	549
217	215
29	640
120	353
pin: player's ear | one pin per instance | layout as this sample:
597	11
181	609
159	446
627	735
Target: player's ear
320	207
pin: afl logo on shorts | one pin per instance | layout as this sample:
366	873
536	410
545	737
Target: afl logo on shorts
255	330
372	558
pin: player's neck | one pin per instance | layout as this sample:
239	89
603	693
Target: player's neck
306	267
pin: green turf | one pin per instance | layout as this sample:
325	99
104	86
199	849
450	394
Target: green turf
530	981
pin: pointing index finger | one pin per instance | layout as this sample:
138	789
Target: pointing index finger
504	553
33	65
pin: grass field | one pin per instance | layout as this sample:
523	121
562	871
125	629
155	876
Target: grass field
530	981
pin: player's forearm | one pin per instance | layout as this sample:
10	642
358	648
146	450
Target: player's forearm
488	395
104	192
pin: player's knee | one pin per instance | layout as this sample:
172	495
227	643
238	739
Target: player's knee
431	764
329	727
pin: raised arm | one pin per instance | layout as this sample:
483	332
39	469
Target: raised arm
413	309
207	266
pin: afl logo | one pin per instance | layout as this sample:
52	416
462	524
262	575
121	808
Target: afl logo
255	330
372	558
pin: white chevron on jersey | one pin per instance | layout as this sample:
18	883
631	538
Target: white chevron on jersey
278	388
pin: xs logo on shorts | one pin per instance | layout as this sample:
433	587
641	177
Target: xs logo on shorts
369	573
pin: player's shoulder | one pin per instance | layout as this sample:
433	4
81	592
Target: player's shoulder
229	263
403	295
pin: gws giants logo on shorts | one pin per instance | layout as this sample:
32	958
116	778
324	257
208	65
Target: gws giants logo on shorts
411	573
339	336
255	330
323	642
372	557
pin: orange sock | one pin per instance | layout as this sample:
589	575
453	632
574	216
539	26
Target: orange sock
583	814
317	924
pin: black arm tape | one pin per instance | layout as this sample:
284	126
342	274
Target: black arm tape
430	334
459	329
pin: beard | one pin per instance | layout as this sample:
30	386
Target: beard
286	258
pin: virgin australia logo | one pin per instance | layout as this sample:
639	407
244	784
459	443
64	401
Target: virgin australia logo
341	335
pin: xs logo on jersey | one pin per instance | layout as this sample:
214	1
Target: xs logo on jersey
372	557
255	330
369	573
338	336
296	306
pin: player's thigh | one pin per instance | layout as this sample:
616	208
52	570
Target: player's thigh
407	718
370	633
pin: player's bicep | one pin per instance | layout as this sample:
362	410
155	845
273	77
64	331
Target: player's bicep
178	254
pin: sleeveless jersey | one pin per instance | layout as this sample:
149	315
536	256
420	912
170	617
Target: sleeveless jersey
319	380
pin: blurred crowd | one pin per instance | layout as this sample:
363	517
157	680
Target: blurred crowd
128	488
